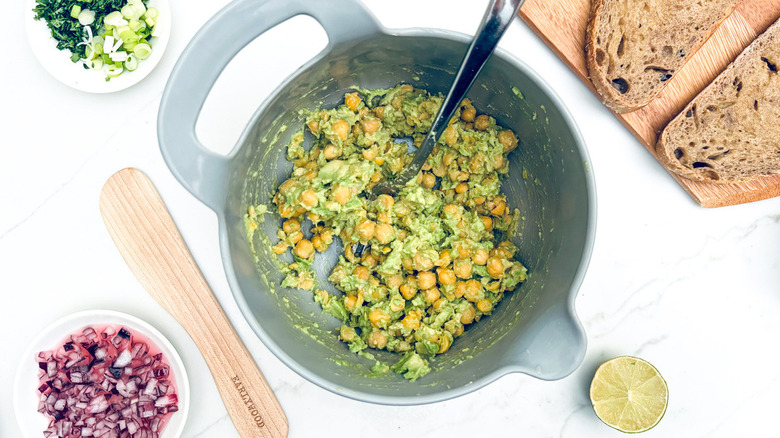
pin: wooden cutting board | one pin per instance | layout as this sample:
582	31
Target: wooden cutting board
561	24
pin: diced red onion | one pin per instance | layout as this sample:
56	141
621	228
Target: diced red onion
89	386
124	358
132	427
59	405
100	353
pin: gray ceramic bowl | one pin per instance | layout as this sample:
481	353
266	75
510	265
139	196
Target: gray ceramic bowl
534	330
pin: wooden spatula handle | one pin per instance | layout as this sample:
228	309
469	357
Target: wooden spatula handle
150	243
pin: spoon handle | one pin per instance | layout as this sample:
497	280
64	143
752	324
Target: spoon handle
495	22
150	243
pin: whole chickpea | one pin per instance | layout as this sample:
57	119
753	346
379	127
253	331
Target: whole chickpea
508	140
370	126
474	291
304	249
482	122
480	257
468	114
428	180
431	295
467	317
426	280
365	229
495	267
309	198
377	339
385	233
446	276
291	225
340	128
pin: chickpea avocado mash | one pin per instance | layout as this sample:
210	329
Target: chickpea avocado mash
433	258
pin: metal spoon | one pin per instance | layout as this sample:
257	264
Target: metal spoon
495	22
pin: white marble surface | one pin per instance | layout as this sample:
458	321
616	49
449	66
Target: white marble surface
693	291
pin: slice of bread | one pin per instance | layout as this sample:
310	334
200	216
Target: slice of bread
634	47
731	131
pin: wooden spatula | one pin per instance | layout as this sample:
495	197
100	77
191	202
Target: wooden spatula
150	243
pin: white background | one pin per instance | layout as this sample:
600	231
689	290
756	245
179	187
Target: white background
694	291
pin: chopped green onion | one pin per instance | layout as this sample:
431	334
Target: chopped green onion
128	11
108	46
120	56
131	63
136	25
90	53
75	11
128	36
132	12
114	70
117	45
86	17
140	9
142	50
115	19
96	64
150	13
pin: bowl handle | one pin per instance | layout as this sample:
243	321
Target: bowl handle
556	348
199	170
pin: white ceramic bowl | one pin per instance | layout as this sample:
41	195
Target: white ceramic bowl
33	423
58	64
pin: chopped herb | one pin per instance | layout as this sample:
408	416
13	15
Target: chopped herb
66	29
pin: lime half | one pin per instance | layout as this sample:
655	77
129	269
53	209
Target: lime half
629	394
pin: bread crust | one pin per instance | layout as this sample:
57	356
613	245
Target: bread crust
674	165
609	95
700	175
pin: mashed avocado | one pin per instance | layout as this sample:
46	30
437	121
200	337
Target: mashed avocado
429	261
